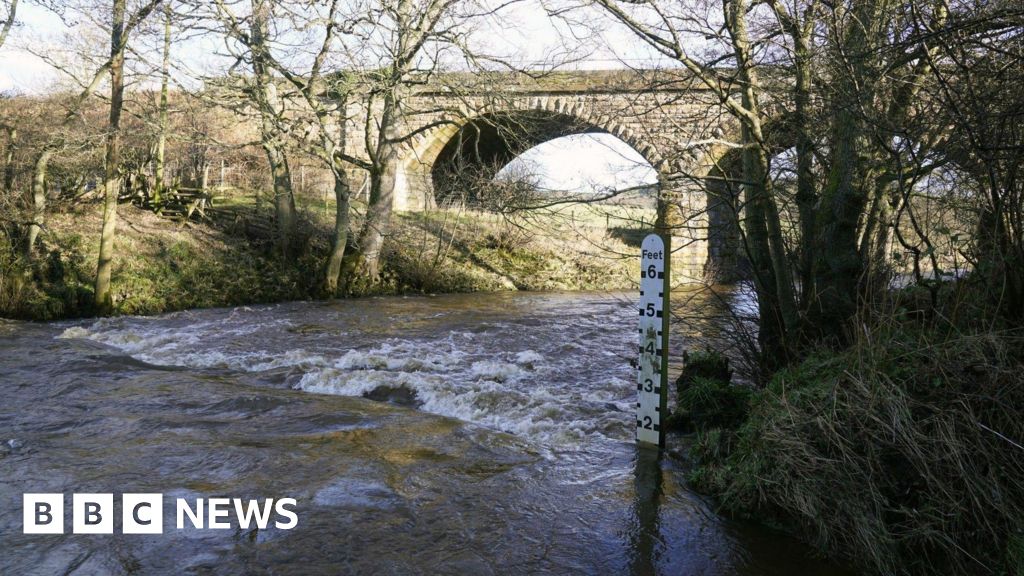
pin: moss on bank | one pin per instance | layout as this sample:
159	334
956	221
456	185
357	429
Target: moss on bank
161	266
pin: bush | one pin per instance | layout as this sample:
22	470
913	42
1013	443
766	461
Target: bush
703	364
180	275
705	395
1015	554
902	454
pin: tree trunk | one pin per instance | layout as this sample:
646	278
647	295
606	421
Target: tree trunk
875	235
776	299
104	298
269	107
5	28
284	201
378	214
161	143
879	255
341	225
383	176
839	265
12	139
38	199
806	197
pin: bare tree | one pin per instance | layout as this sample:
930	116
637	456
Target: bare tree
322	117
254	31
976	62
164	108
411	35
670	32
315	109
112	180
9	18
90	86
783	70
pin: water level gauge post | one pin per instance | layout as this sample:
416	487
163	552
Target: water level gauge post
652	380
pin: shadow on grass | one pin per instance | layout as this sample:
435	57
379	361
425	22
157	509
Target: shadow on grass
632	237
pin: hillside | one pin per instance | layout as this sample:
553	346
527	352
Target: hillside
225	259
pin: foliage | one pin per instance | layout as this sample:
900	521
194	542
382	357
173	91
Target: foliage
160	269
232	261
181	276
711	402
1015	554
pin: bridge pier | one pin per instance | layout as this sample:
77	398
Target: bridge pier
724	263
682	214
414	188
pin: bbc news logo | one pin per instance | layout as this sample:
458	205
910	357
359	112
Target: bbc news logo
144	513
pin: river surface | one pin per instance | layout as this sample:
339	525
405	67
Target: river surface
462	434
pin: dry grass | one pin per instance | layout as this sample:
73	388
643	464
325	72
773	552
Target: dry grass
465	251
903	453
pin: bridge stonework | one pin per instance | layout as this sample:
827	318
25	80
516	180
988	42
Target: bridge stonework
672	122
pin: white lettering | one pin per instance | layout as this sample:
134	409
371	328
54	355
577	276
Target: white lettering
218	508
282	511
92	514
196	517
252	511
43	513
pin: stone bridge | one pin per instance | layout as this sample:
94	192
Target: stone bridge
480	122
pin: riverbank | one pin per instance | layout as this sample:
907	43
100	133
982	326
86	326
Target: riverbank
163	265
899	454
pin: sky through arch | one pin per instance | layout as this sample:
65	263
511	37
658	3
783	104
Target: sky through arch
585	163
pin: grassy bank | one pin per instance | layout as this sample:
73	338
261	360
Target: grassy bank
901	454
162	265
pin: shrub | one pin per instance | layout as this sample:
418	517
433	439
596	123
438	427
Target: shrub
1015	554
703	364
705	395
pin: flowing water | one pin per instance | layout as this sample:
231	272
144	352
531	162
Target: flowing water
463	434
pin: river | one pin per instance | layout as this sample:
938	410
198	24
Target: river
461	434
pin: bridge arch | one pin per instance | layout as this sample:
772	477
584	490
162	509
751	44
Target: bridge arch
660	114
482	142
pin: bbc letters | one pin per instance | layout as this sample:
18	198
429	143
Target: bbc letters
144	513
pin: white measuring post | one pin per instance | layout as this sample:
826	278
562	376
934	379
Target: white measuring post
652	380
